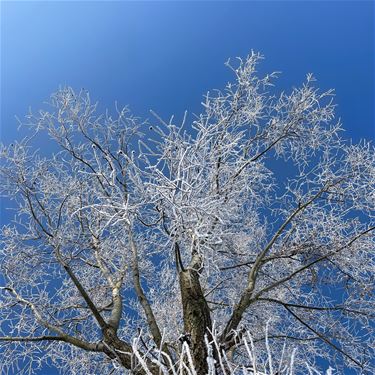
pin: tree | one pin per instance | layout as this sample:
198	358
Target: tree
131	245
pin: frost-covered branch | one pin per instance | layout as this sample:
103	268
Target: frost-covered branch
254	213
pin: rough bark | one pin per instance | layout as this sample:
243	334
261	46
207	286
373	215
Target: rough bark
114	347
197	319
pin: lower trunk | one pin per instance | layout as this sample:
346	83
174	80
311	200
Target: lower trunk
197	319
115	348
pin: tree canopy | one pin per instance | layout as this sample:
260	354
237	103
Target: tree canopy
136	244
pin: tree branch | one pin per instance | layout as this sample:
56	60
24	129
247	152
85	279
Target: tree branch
83	292
322	337
114	320
62	336
317	308
245	298
303	268
151	320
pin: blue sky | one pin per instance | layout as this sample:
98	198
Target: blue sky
165	55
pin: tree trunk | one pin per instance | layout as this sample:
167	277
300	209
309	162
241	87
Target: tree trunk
116	348
197	319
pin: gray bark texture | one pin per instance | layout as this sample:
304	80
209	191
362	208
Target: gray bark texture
197	319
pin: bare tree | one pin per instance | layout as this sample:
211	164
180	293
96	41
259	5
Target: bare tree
134	244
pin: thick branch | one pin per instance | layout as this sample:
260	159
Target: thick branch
114	320
93	347
151	320
62	336
31	339
84	294
245	298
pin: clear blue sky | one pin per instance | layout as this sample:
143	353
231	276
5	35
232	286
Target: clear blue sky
165	55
